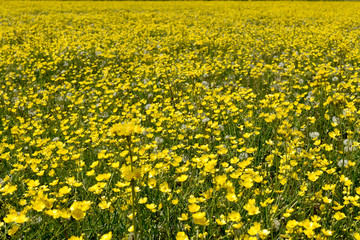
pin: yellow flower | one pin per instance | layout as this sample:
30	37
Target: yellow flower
78	209
64	190
263	233
194	208
327	233
94	164
78	214
33	183
182	178
221	179
357	236
237	225
291	224
357	190
339	215
183	217
16	217
124	129
234	216
312	176
106	236
104	176
175	201
221	221
104	204
38	205
181	236
129	174
13	230
97	188
309	232
151	206
254	229
143	200
251	207
200	218
8	189
62	151
164	187
151	183
326	200
22	202
231	197
76	238
55	213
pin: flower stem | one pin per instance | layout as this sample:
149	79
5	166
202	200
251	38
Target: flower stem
133	196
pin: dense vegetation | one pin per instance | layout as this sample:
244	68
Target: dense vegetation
186	120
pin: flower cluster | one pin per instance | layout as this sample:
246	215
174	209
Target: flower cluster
181	120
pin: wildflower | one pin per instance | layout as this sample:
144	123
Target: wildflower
164	187
125	129
291	224
105	176
326	200
38	204
33	183
181	236
234	216
183	217
106	236
76	238
327	233
221	179
64	190
151	207
152	183
16	217
78	214
251	207
313	176
182	178
231	197
13	230
143	200
194	207
55	213
200	218
221	221
8	189
254	229
339	215
104	204
263	233
357	236
78	209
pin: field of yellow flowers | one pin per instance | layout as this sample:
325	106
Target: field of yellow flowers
179	120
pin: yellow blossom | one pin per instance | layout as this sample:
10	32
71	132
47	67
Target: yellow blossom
106	236
181	236
125	129
339	215
251	207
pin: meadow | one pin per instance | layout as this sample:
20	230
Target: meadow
179	120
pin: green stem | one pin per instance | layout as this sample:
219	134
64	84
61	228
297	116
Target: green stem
133	197
133	206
